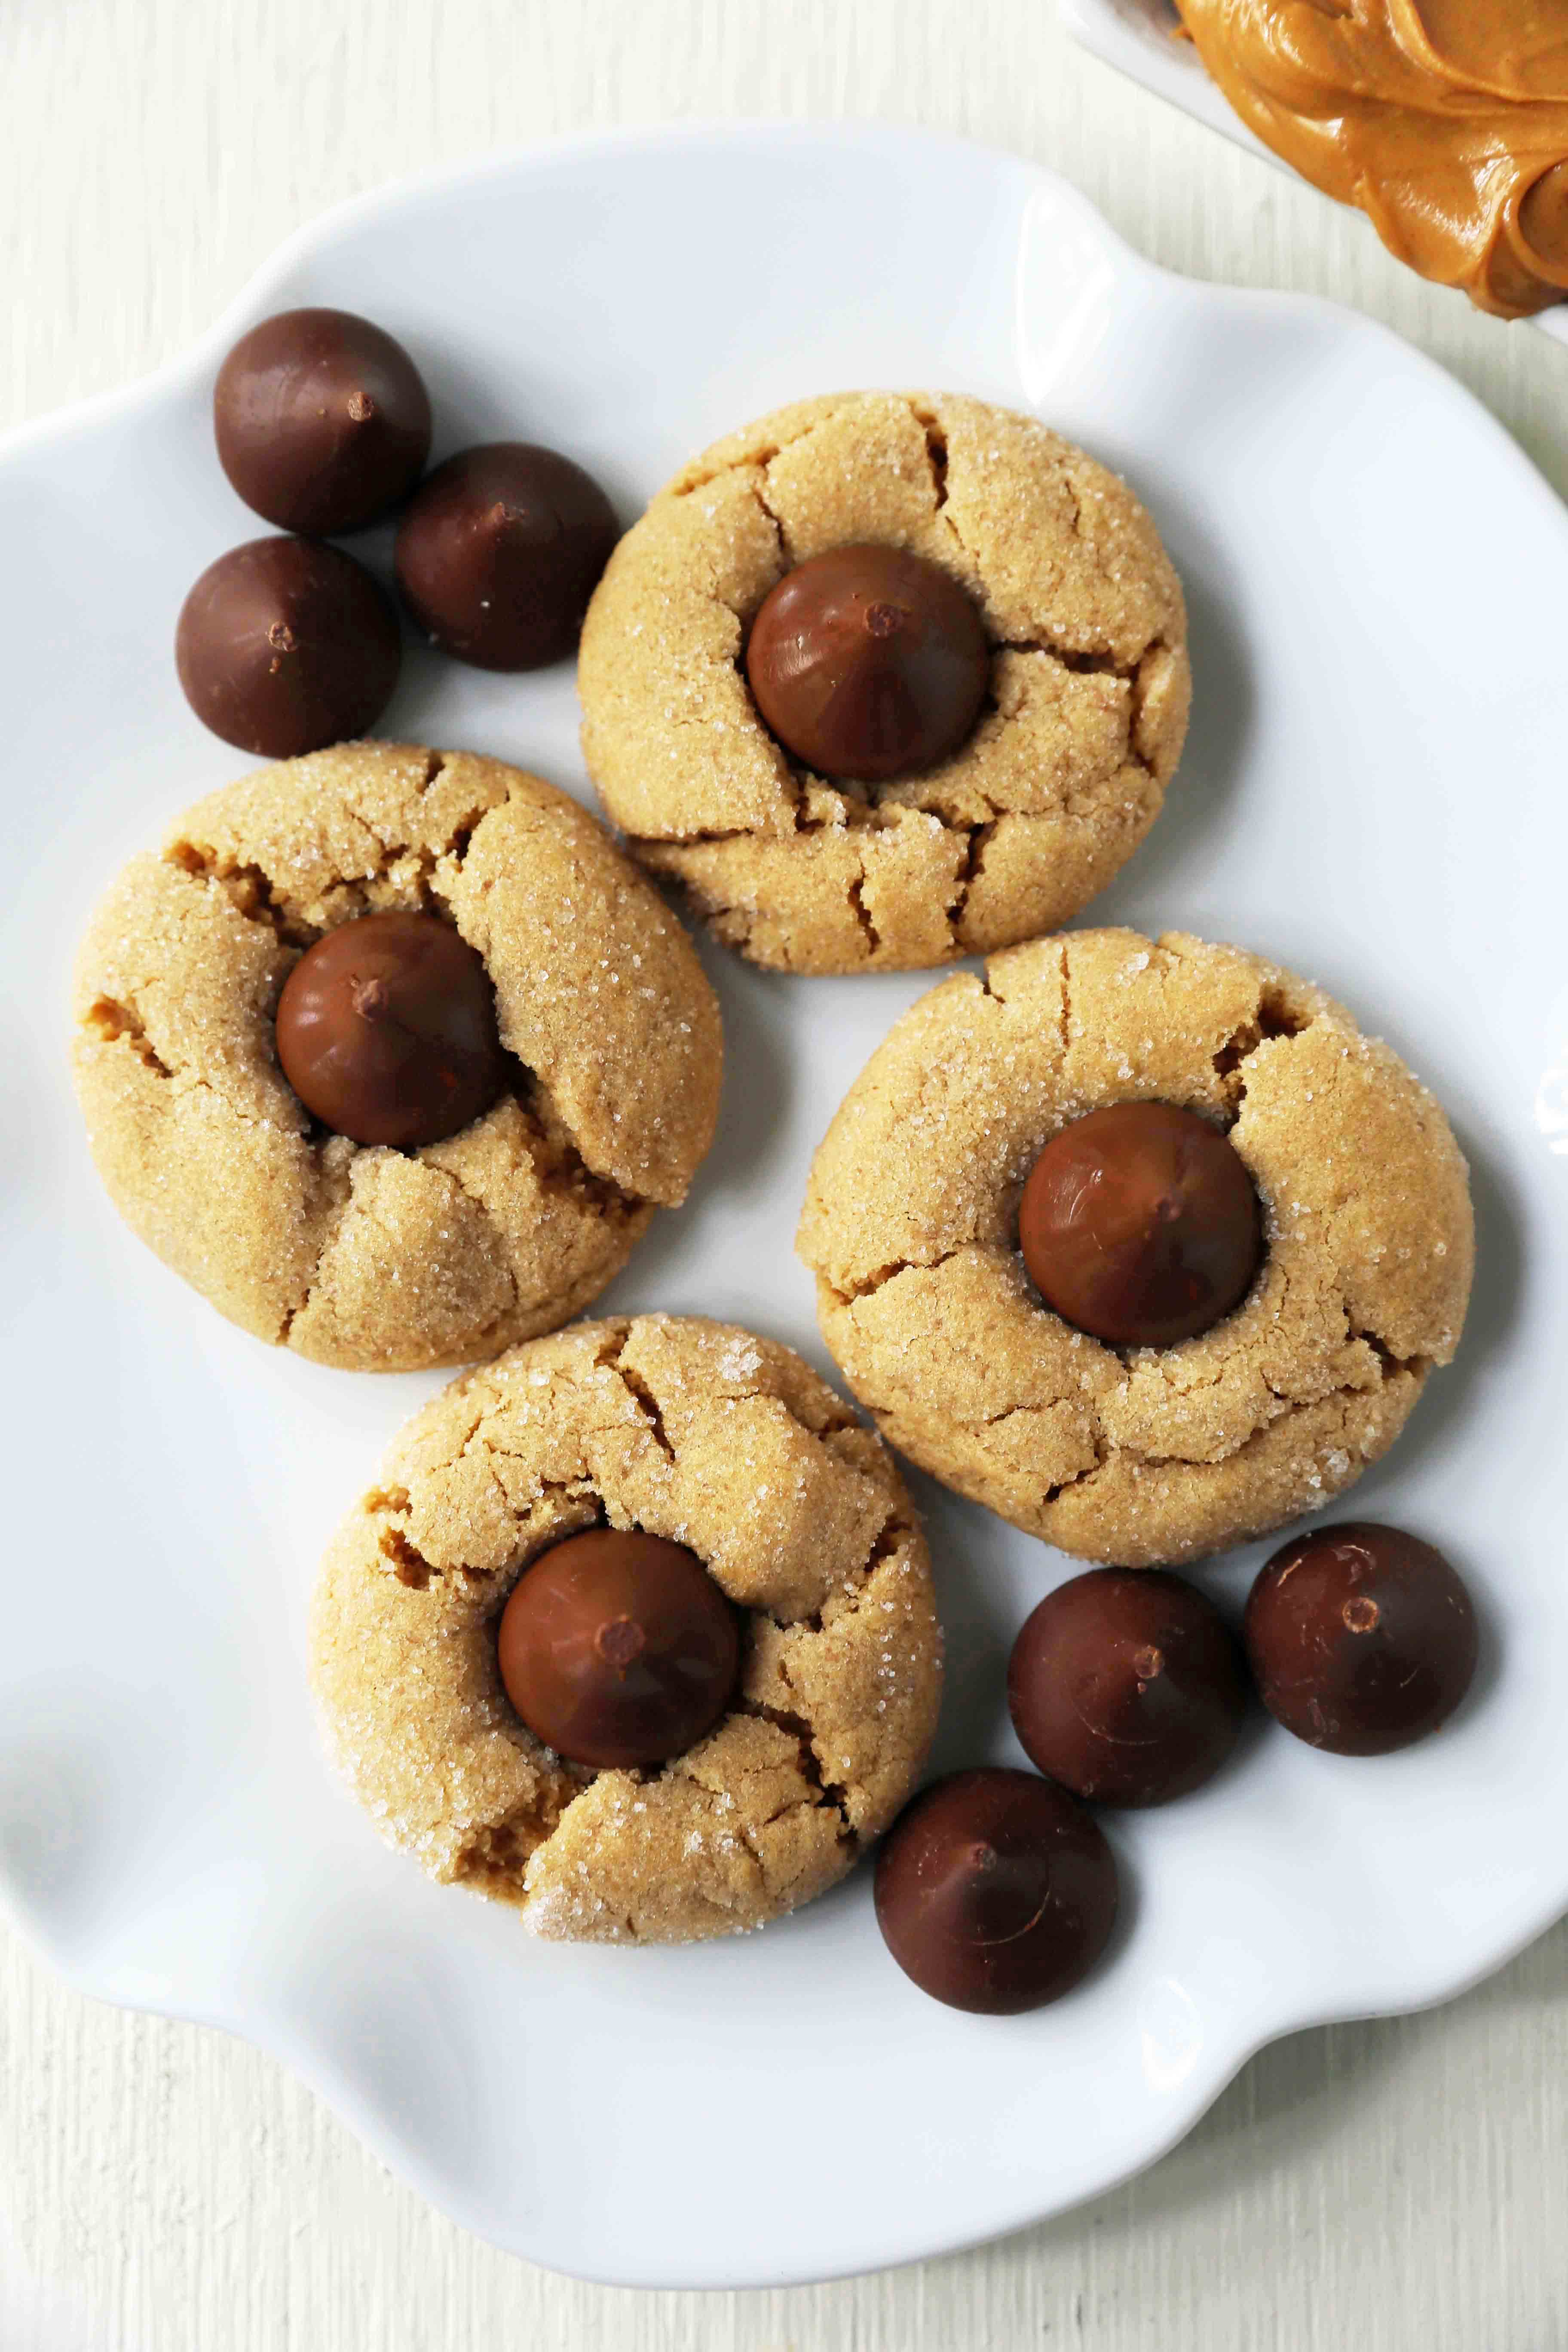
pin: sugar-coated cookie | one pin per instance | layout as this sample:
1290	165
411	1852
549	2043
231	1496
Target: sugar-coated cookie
1007	837
376	1258
1138	1455
705	1436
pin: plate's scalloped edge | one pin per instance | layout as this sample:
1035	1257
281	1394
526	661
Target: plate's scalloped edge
1086	19
1133	37
346	2102
393	195
262	2027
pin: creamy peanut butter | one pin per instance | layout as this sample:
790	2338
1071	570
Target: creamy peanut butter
1445	120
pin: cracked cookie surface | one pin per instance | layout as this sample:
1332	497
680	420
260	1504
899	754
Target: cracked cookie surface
375	1259
686	1429
1064	772
1138	1457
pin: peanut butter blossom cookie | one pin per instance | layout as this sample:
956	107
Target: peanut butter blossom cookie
886	679
1140	1242
392	1054
636	1632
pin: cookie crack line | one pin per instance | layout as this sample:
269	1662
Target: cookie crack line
762	458
477	1201
407	1562
1272	1019
1391	1366
831	1796
1075	524
247	886
760	493
1102	1451
1389	1362
936	456
976	833
1081	665
559	1161
652	1412
980	836
861	912
332	1226
113	1022
253	893
889	1271
1412	1367
884	1543
559	1168
427	858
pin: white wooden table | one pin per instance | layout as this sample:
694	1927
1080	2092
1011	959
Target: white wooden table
1393	2187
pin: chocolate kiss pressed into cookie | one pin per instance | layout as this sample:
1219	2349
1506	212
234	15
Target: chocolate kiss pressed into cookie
619	1649
869	663
386	1031
1139	1225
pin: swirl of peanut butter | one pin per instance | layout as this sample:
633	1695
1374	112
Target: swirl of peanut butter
1445	120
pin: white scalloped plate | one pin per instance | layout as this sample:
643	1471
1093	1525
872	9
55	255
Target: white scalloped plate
1140	38
1371	793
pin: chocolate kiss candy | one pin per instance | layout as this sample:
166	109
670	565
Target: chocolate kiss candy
1127	1685
869	664
1139	1225
618	1649
499	552
1362	1638
321	420
996	1890
386	1031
